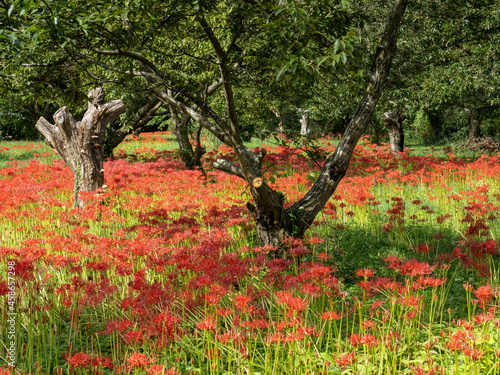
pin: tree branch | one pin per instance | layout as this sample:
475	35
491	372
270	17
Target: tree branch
229	167
168	99
131	72
134	56
225	76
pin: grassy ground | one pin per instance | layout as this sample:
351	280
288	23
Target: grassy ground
161	273
154	143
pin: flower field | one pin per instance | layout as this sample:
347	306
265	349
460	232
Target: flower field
160	272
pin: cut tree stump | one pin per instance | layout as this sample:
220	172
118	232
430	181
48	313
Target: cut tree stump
81	143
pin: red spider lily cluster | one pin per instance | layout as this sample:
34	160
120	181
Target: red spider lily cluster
159	273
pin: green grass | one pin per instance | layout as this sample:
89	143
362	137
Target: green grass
152	215
165	142
23	151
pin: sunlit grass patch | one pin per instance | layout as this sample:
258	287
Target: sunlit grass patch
19	151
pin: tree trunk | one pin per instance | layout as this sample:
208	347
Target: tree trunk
474	124
273	221
190	158
305	122
81	143
394	124
135	124
281	129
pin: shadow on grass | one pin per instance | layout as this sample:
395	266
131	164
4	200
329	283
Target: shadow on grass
356	247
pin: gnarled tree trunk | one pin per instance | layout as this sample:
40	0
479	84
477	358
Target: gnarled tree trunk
305	122
296	219
81	143
273	220
393	122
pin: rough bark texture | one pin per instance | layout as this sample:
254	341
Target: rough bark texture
298	218
81	143
305	122
273	220
191	158
135	124
393	122
281	129
474	124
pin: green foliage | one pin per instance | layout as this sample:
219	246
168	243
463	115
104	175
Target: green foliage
448	58
421	130
284	55
14	124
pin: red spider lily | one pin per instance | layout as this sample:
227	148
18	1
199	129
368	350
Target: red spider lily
365	272
224	312
323	256
484	318
377	304
255	324
207	324
294	336
484	294
393	261
80	360
134	337
315	241
230	335
292	322
367	339
473	353
424	249
458	340
346	359
419	370
415	268
330	315
411	301
139	360
294	303
276	337
368	324
242	302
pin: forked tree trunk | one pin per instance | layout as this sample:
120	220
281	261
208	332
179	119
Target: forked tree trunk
272	219
81	143
393	122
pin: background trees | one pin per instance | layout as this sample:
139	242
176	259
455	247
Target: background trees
447	66
447	71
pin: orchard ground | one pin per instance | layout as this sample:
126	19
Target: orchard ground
160	273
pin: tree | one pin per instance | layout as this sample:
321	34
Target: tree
393	122
182	49
449	58
81	143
